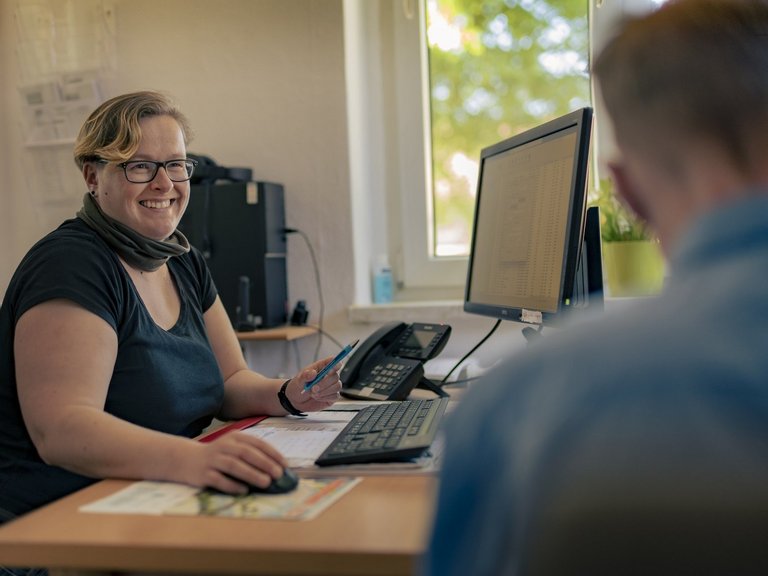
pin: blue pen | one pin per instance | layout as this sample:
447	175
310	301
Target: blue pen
339	357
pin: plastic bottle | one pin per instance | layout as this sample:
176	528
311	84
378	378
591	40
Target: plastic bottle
382	281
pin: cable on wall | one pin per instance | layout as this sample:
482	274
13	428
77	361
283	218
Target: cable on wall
310	248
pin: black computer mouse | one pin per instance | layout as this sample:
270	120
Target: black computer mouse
286	483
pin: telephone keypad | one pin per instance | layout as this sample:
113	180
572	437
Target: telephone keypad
393	379
384	377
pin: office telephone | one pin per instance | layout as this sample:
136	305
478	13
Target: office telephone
390	363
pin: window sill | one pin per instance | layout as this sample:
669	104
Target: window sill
438	311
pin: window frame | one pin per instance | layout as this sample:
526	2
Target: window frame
418	268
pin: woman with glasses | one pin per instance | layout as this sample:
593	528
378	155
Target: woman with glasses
115	349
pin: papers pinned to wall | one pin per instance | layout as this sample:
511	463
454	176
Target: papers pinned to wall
63	50
56	37
54	110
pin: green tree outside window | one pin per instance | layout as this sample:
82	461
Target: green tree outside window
496	68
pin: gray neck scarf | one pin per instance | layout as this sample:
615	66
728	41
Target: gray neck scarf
137	250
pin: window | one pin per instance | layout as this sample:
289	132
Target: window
496	68
430	83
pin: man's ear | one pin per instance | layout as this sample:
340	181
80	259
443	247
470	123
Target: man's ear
626	191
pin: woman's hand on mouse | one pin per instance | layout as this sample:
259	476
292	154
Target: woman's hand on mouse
321	395
234	460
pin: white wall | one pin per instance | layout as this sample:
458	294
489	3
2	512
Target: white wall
263	83
6	251
10	147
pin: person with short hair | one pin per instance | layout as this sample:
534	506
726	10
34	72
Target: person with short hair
637	442
115	349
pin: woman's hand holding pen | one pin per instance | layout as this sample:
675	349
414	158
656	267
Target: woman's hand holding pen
321	395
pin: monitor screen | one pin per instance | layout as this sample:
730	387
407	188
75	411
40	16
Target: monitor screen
529	221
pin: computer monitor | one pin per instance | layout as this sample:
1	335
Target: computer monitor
535	254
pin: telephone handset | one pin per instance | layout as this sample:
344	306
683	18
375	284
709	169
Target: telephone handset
390	363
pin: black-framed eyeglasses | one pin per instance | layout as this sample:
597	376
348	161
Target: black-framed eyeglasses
143	171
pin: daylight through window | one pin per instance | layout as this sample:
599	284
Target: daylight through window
496	68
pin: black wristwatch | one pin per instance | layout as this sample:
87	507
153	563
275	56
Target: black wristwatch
285	403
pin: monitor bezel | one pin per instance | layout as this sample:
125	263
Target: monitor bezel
582	120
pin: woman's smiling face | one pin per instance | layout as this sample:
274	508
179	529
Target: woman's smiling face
154	208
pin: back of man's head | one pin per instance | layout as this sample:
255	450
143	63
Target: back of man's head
693	70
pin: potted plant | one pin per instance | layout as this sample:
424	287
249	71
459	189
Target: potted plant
632	261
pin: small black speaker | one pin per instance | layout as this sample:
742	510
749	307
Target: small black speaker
588	283
239	228
594	254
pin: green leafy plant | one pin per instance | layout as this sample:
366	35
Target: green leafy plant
617	223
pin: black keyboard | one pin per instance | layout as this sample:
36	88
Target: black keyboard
389	432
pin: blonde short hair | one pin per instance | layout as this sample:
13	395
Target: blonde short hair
694	69
112	132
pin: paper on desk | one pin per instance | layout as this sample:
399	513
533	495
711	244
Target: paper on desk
302	440
142	498
312	496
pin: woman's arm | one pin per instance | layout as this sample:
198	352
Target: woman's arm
64	358
246	392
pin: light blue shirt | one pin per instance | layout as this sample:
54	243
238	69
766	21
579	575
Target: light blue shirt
665	400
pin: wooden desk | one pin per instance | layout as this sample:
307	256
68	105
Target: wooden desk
379	528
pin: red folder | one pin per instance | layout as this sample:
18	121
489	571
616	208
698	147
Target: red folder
237	425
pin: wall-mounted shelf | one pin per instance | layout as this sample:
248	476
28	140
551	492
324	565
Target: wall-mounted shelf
284	333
